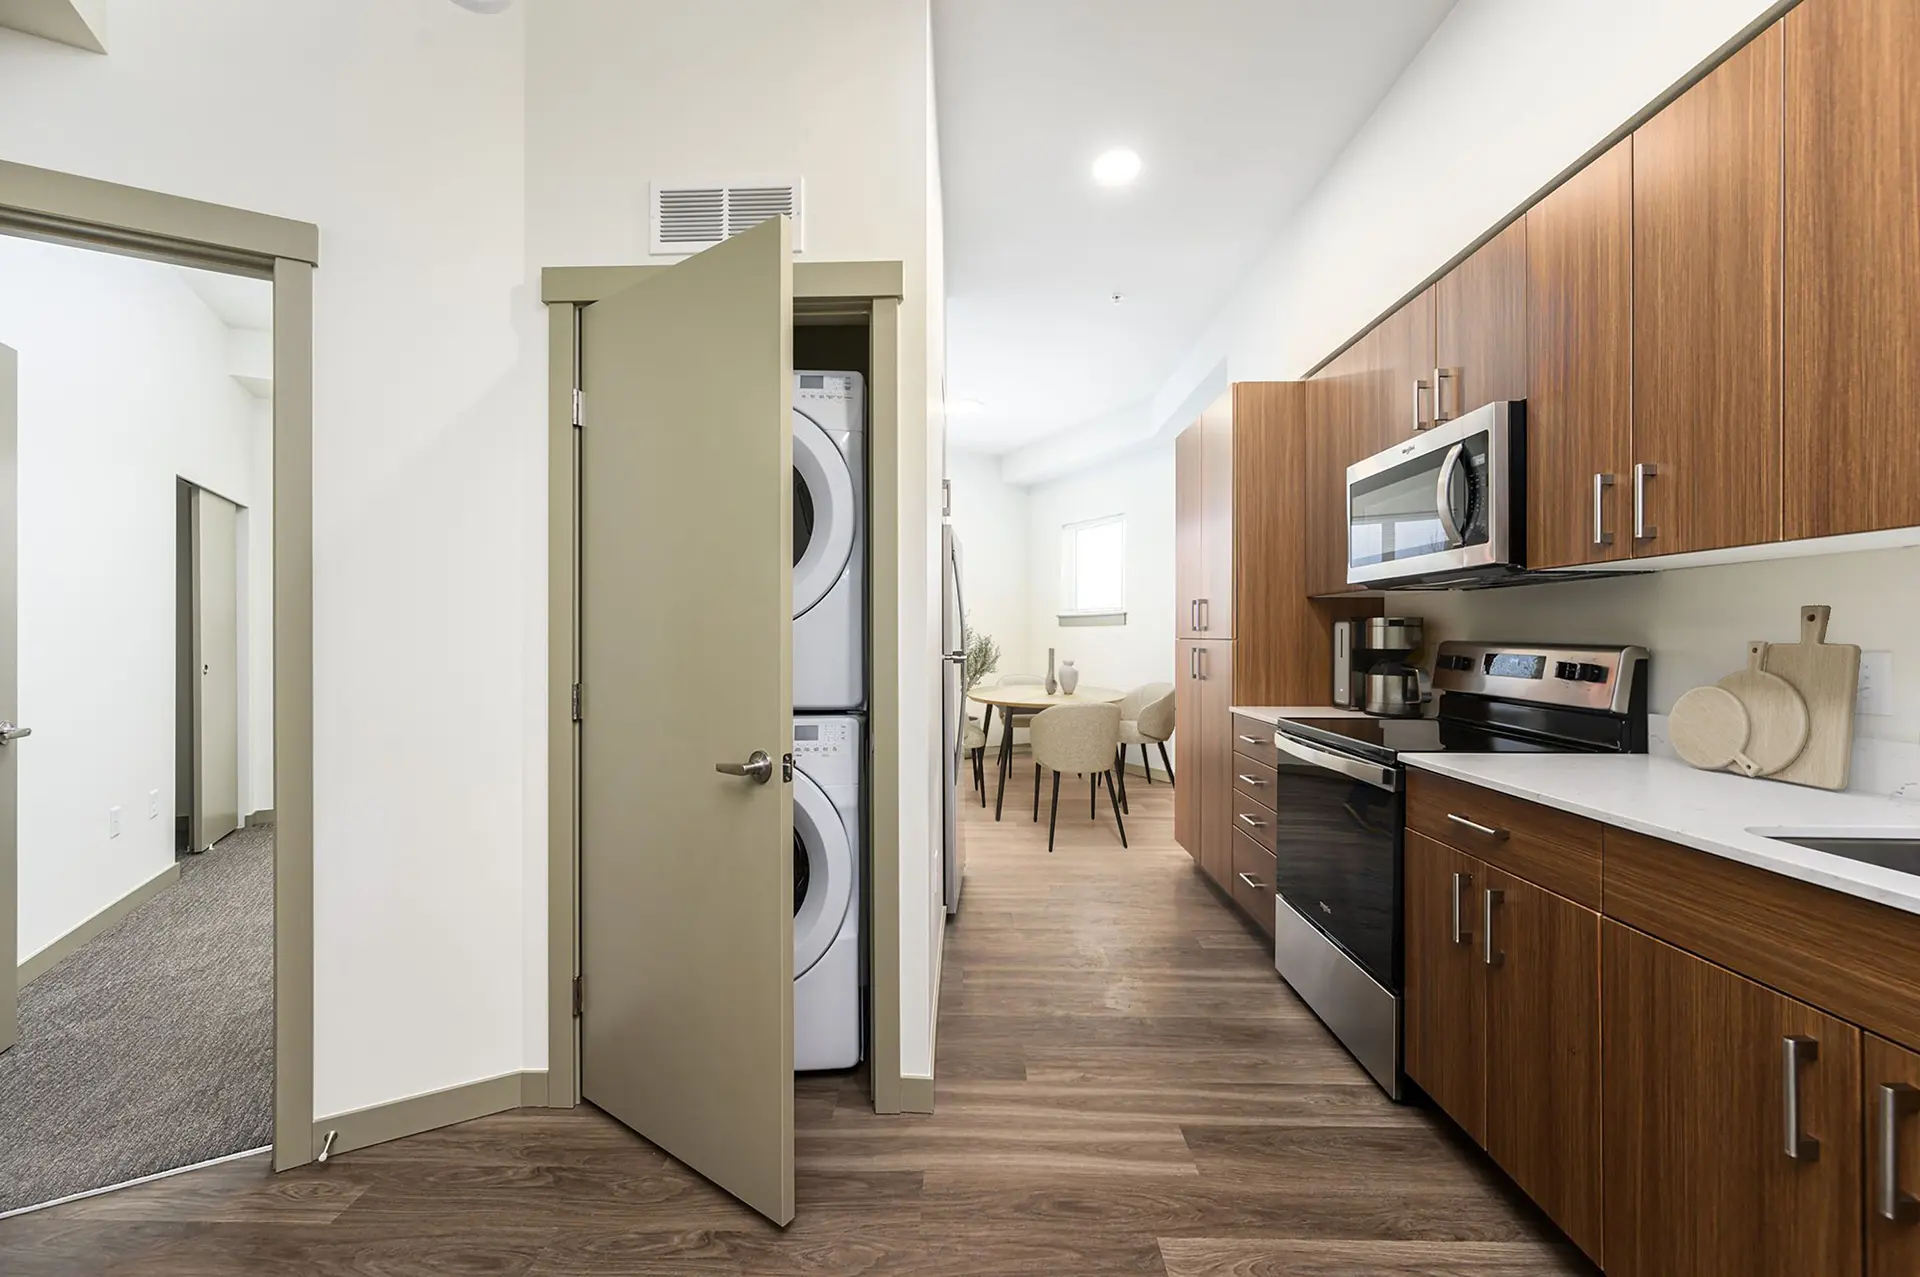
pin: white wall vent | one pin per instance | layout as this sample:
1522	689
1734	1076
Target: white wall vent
690	216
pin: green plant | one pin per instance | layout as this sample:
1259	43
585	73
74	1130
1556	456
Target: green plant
983	657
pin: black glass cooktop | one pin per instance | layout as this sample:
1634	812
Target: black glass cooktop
1469	726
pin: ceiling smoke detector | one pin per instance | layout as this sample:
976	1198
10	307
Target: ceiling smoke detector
1116	298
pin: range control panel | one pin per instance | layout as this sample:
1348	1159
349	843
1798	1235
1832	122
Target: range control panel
1604	678
827	748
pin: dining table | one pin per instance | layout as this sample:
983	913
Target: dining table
1029	698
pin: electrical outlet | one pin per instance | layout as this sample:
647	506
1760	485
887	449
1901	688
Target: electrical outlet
1876	684
153	804
113	822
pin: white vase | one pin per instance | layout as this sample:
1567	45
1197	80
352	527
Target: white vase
1069	677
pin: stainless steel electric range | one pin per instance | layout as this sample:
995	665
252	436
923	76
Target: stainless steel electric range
1340	802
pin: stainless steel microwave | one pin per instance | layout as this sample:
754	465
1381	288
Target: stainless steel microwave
1445	509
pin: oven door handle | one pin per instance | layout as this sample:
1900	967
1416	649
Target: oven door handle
1364	772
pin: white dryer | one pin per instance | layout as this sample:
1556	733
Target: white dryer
829	541
826	892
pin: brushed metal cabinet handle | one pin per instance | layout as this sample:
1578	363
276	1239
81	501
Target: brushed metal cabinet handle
1193	615
1420	421
1493	897
1461	884
1250	822
1254	740
1441	376
1206	616
1897	1100
1795	1050
1642	530
1255	781
1601	482
1249	880
1486	831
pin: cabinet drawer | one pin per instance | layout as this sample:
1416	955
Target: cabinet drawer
1548	848
1253	819
1254	739
1253	780
1252	884
1851	957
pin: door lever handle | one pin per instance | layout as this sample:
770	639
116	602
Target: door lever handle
758	768
8	732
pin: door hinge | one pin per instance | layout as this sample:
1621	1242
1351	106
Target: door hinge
576	702
579	407
577	984
946	498
786	768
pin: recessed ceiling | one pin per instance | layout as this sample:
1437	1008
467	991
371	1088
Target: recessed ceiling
1236	108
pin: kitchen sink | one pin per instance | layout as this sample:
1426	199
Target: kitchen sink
1889	848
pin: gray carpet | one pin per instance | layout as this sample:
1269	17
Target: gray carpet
152	1047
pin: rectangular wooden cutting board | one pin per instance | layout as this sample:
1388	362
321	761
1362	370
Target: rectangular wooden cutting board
1827	676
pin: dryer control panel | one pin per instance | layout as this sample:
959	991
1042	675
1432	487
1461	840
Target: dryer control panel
827	748
835	399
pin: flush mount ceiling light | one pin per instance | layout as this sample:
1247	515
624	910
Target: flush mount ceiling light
1117	167
484	6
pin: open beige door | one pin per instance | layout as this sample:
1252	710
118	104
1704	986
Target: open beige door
216	657
686	879
9	696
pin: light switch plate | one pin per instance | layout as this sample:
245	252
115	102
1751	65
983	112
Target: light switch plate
113	822
153	804
1876	684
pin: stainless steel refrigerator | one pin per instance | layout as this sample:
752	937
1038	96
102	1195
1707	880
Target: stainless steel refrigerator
953	710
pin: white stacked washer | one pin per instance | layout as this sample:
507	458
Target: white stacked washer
826	892
829	541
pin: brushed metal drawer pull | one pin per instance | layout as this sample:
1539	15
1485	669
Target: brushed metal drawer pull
1601	482
1252	740
1795	1050
1251	822
1253	780
1461	883
1494	896
1498	835
1897	1100
1248	879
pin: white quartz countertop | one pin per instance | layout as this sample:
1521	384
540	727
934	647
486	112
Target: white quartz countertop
1714	812
1274	713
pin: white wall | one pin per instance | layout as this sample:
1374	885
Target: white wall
123	387
398	127
257	787
990	518
837	92
1139	487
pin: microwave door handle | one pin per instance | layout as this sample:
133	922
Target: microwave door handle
1364	772
1443	495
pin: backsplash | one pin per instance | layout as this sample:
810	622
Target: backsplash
1887	767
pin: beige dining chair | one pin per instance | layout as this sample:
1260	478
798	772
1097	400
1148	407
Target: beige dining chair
1146	718
1079	738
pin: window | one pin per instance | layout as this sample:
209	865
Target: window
1093	557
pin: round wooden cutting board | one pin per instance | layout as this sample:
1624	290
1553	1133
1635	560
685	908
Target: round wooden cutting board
1708	728
1778	724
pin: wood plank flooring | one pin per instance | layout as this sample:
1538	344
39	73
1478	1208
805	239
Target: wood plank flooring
1125	1087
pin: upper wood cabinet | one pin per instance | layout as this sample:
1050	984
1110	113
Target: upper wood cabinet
1398	359
1189	528
1580	352
1892	1124
1704	1174
1334	406
1852	266
1706	316
1480	327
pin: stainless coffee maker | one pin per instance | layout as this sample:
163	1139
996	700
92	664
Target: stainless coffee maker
1369	665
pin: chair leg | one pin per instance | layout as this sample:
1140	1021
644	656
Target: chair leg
1116	810
1036	793
1146	762
1165	761
1093	796
980	774
1053	812
1124	805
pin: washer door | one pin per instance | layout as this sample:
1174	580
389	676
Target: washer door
822	873
823	513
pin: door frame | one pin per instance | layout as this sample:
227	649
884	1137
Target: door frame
84	212
868	290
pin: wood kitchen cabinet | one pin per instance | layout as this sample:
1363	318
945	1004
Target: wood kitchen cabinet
1445	1001
1852	267
1189	528
1696	1128
1580	356
1203	754
1541	956
1892	1125
1203	512
1333	407
1186	745
1480	327
1398	357
1707	350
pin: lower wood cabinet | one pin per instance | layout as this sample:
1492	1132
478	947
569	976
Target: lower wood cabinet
1502	1024
1893	1158
1203	745
1731	1122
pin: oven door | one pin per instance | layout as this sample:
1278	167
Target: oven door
1337	850
1442	503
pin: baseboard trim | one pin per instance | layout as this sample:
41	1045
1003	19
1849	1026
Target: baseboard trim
262	817
398	1119
916	1095
45	960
